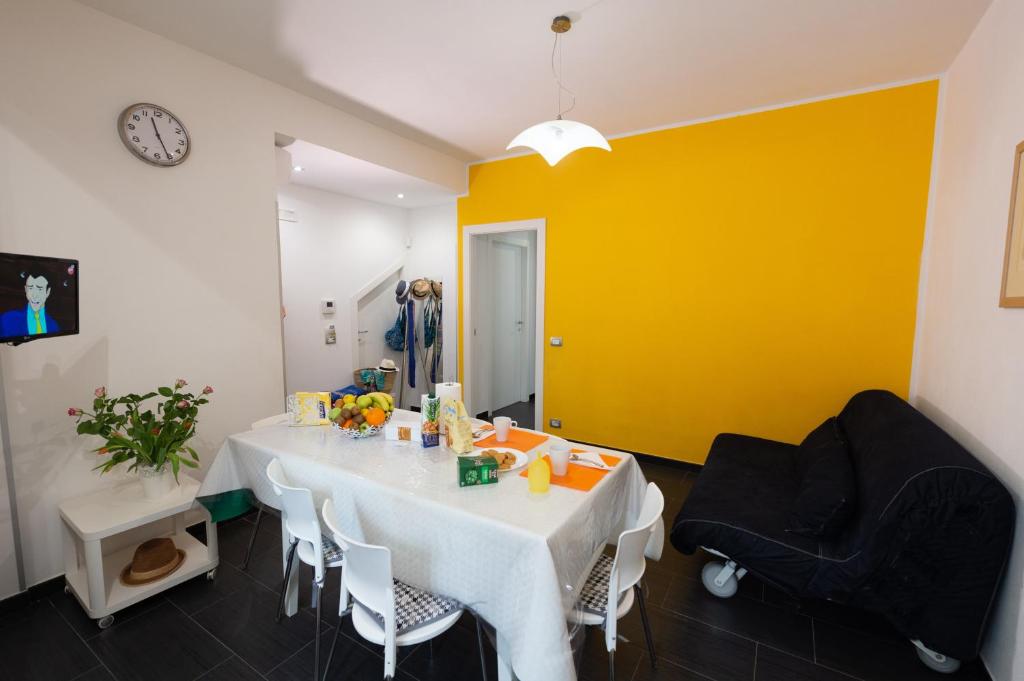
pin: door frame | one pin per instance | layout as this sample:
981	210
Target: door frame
538	225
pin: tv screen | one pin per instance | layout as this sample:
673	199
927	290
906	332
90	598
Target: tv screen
38	297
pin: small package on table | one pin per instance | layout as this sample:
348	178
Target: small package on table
477	470
402	431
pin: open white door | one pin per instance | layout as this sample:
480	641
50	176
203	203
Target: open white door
508	269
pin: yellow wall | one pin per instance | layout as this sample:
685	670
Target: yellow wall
744	275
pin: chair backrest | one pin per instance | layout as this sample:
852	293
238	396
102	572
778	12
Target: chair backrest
270	421
297	508
367	573
629	556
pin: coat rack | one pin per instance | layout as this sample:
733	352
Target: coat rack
424	339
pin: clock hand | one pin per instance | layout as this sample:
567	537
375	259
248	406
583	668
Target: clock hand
158	138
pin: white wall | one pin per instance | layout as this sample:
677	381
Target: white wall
178	266
969	371
337	245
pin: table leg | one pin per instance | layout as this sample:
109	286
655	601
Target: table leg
212	548
505	672
291	598
94	574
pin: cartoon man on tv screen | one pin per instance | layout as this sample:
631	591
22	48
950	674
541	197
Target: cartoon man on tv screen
31	320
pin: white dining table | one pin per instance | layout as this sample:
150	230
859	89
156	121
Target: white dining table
516	559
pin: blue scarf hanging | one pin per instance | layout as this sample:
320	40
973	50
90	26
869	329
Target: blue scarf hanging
410	340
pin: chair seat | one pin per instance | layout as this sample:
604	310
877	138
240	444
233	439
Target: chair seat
332	552
419	616
594	596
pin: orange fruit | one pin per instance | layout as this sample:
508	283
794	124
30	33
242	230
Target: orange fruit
375	416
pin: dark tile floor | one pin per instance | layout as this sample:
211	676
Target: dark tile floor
520	412
224	630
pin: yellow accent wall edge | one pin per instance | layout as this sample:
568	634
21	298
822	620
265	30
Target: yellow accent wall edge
741	275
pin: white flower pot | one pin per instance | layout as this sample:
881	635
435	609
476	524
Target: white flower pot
156	484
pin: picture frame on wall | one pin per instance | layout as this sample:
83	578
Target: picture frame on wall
1012	294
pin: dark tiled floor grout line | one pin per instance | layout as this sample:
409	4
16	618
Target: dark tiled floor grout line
214	637
90	670
814	641
221	664
99	660
757	647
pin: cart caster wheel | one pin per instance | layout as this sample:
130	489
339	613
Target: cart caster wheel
67	590
105	622
211	575
938	662
708	574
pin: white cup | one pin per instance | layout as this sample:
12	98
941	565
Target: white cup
558	450
502	424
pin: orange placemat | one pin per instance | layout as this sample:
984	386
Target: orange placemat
523	440
580	477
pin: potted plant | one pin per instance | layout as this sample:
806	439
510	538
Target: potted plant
153	441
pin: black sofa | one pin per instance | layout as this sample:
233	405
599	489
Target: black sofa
926	543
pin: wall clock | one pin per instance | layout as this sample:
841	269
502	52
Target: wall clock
154	134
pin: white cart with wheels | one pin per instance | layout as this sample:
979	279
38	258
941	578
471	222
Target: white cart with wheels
102	530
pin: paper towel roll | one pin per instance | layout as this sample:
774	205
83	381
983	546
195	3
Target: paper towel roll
448	391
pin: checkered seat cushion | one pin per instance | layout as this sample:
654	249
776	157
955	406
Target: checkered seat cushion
416	608
332	552
594	597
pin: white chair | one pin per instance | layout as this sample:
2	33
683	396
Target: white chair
384	610
262	423
618	580
298	514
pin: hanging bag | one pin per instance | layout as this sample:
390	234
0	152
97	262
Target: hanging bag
395	336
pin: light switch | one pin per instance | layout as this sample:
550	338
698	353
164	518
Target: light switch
330	336
555	423
556	341
327	306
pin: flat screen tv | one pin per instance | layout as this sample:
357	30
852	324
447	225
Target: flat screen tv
38	297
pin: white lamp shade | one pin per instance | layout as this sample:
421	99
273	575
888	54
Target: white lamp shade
554	140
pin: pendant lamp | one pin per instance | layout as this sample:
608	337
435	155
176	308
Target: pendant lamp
556	139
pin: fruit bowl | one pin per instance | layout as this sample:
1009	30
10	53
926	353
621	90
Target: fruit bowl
364	416
355	433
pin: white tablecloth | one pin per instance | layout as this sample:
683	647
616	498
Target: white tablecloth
506	554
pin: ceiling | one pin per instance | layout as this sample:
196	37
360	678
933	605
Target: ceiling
331	171
464	76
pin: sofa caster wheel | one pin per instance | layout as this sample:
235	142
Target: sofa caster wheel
936	661
105	622
711	575
211	575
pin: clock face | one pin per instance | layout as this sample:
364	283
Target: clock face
154	134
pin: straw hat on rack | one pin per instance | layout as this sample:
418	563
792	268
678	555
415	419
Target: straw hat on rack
435	287
421	289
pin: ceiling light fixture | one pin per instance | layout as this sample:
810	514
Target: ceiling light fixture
401	196
298	169
554	140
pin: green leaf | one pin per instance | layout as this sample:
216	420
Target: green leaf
166	392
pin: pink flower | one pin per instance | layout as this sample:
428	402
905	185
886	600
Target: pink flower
180	383
183	404
74	411
207	390
100	391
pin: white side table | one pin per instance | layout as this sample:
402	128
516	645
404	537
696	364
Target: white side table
102	530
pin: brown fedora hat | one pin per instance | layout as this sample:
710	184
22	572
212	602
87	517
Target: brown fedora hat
153	559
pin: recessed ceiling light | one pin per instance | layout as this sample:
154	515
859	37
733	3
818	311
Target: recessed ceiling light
401	196
298	169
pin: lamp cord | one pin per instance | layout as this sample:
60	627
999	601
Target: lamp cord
557	74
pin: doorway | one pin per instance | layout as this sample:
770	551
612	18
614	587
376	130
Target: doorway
503	277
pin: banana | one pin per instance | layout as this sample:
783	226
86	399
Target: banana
381	400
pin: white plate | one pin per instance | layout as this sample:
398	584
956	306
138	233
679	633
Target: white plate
521	458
